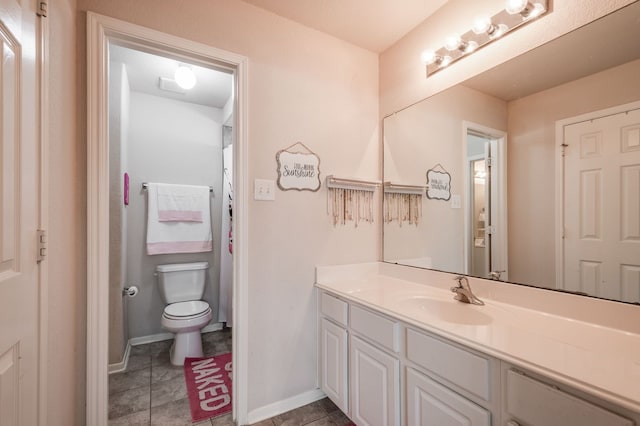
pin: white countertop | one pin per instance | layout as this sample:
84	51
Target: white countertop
590	344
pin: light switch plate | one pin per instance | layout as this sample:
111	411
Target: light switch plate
455	201
264	190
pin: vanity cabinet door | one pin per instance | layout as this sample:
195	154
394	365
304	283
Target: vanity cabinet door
334	378
375	385
431	404
534	403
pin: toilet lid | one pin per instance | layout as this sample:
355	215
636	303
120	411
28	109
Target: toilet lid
186	309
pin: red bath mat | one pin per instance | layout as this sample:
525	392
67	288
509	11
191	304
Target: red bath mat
208	386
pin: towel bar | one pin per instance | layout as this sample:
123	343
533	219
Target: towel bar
145	186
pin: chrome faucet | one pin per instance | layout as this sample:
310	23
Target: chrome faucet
463	291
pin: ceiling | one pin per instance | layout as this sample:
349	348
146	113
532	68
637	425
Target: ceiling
213	88
604	43
371	24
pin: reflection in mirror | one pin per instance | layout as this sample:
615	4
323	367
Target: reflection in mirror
544	157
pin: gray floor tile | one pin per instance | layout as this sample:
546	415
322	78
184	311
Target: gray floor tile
128	402
328	405
140	350
301	416
226	420
175	413
136	362
163	371
339	418
267	422
120	382
168	391
140	418
163	346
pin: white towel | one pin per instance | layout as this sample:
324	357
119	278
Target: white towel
182	203
176	237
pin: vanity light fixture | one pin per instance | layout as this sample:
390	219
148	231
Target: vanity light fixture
485	30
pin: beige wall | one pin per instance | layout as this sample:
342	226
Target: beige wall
303	86
66	316
416	140
531	157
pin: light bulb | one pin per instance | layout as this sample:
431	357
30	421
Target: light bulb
185	77
453	42
471	46
538	9
428	57
514	7
499	31
445	61
482	24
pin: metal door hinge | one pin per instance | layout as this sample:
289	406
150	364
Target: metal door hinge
42	245
489	161
42	8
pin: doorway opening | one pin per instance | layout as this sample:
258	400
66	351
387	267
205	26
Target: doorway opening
149	144
485	209
173	135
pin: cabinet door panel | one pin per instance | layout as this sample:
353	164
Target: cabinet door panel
535	403
375	386
334	364
431	404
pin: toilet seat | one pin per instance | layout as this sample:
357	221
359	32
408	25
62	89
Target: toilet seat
186	310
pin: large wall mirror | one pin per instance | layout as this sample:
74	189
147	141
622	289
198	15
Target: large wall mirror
529	172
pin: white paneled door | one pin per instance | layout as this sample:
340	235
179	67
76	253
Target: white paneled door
602	206
19	174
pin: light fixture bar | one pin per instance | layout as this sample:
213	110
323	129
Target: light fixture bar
484	31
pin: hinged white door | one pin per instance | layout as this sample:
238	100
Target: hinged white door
431	404
334	378
375	385
19	127
602	207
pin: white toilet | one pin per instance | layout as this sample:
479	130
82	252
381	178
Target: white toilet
181	287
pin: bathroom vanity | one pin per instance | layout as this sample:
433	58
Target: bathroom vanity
397	349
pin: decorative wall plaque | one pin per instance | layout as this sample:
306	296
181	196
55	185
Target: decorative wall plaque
298	168
438	183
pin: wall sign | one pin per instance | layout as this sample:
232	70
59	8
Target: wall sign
438	183
298	168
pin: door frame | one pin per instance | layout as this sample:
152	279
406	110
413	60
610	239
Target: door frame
501	164
559	176
100	31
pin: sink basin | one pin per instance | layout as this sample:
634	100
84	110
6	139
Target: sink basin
447	310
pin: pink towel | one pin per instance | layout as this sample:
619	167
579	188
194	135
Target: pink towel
181	203
176	236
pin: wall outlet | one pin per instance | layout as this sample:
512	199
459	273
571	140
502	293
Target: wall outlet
264	190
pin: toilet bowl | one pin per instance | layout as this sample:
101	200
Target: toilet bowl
181	287
186	320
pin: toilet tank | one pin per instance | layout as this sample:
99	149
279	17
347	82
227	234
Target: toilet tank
181	282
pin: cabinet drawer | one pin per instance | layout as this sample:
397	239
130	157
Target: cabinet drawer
376	327
465	369
532	402
334	308
430	403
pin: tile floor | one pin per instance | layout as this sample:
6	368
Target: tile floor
152	392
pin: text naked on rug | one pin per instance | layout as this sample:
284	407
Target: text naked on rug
208	385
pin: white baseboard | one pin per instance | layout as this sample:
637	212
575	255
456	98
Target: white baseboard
168	336
285	405
121	366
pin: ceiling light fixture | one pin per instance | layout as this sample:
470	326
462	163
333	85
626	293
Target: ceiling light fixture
185	77
485	30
